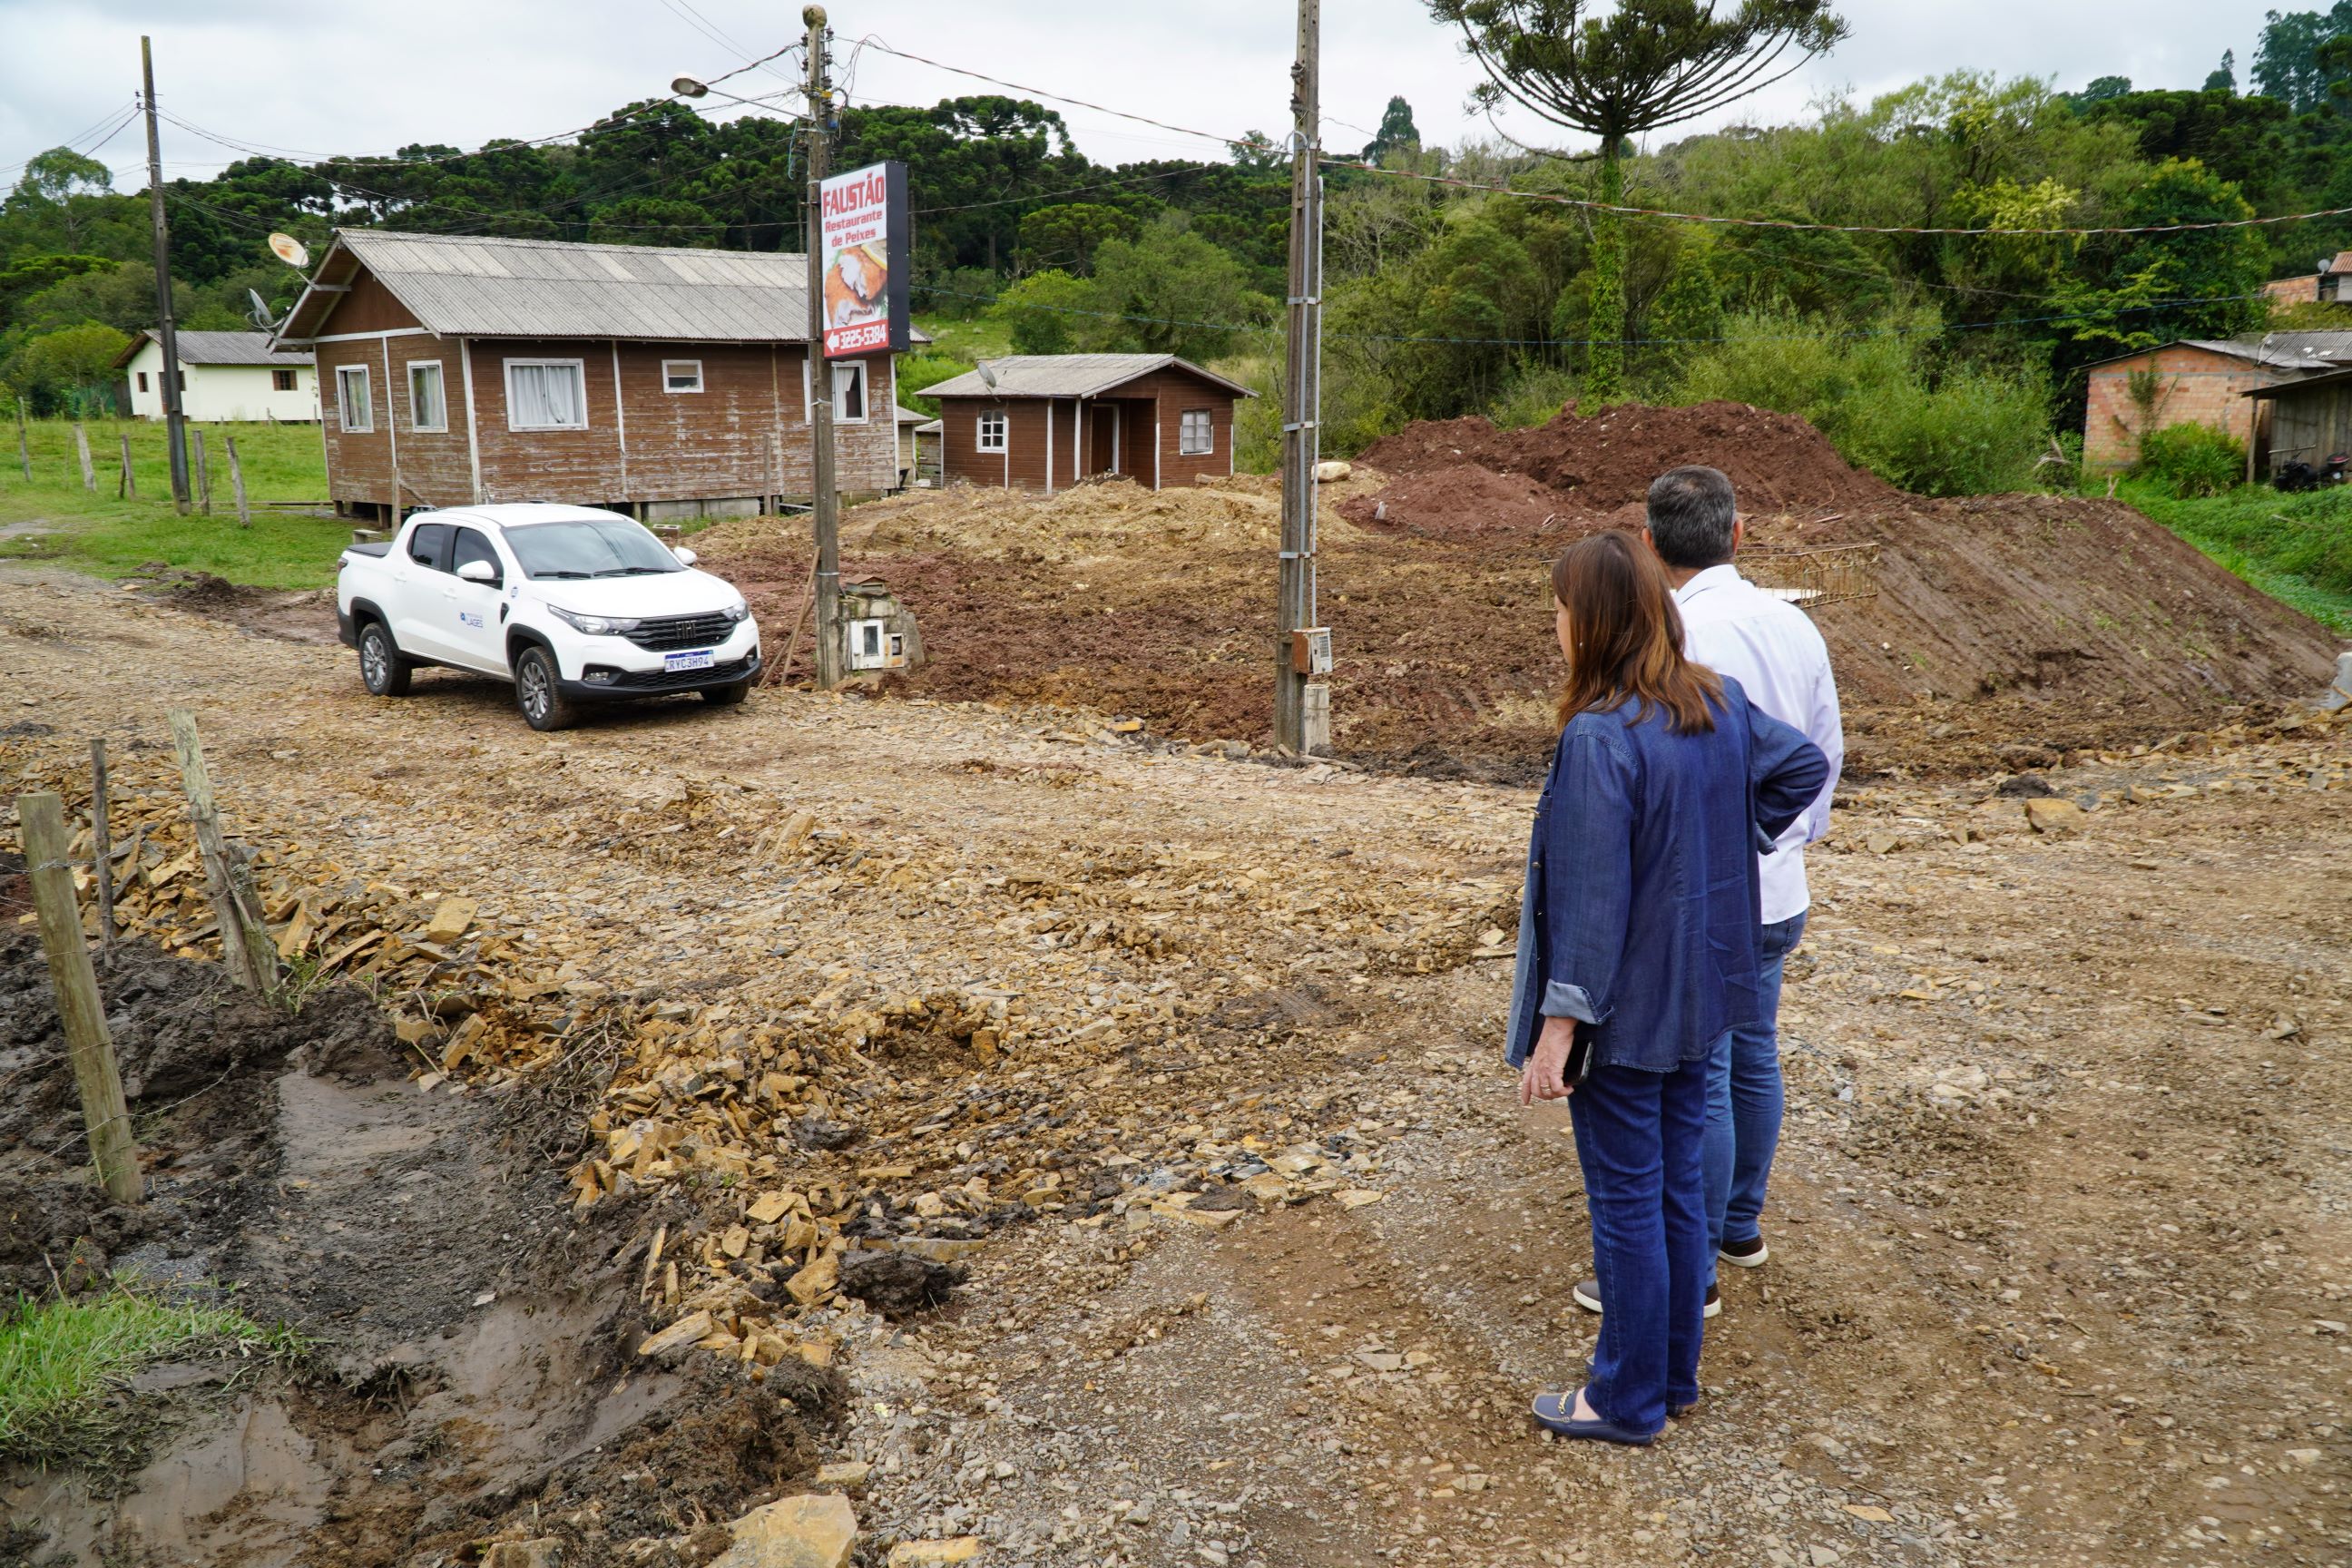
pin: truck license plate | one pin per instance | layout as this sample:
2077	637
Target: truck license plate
703	659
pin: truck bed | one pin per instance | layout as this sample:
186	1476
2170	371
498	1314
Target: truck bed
377	550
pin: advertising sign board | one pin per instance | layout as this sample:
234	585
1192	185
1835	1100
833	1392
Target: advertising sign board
863	232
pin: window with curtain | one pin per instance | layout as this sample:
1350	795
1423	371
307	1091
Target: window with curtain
426	409
849	393
1196	437
546	394
352	397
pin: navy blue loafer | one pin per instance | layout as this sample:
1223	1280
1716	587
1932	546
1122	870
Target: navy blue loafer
1557	1413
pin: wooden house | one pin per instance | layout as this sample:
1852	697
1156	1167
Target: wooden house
2308	420
1044	421
660	382
224	376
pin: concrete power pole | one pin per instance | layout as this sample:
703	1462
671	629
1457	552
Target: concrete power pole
175	427
827	498
1302	705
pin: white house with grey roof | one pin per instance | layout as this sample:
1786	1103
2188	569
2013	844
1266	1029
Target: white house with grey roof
661	382
223	377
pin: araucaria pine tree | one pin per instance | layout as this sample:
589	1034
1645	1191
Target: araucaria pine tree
1621	69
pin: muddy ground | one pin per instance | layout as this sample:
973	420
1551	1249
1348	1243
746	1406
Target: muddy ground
2059	1229
468	1349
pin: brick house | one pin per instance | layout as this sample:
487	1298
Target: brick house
2199	381
1044	421
664	382
2324	284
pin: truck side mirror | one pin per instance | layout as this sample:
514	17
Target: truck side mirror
685	556
478	572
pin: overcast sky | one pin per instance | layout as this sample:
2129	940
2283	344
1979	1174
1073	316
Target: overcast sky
308	78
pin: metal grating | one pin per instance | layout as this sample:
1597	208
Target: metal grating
665	634
1812	578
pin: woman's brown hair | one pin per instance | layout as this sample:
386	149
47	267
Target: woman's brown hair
1627	636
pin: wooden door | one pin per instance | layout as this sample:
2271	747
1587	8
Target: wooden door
1102	439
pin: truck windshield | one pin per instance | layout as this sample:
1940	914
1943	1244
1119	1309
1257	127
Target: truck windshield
589	547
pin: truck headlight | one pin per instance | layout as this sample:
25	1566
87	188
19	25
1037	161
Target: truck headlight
596	626
737	612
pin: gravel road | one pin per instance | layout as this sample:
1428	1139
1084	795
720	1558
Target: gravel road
2060	1229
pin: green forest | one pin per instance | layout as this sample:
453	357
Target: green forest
1945	361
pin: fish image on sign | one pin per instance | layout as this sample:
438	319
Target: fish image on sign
863	228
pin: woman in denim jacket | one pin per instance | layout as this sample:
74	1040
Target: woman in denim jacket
1638	938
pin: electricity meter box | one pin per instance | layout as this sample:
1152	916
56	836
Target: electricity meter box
879	632
1311	651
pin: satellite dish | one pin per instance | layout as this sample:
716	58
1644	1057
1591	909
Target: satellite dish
261	315
289	250
987	376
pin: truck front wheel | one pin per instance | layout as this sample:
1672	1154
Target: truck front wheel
381	668
537	694
726	696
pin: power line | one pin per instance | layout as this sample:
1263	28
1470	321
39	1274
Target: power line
107	129
1625	211
1587	343
875	43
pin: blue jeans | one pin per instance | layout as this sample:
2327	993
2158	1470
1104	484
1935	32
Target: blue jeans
1744	1101
1637	1137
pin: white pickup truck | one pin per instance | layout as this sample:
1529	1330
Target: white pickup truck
572	604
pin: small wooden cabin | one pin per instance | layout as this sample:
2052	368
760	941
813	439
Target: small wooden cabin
2309	420
664	382
1044	421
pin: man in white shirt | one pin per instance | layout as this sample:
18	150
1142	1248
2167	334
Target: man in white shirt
1773	650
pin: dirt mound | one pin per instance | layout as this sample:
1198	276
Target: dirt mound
1464	476
303	615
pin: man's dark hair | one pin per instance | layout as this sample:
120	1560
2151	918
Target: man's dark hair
1691	513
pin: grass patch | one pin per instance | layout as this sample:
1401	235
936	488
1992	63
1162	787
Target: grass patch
970	341
109	536
63	1364
2295	548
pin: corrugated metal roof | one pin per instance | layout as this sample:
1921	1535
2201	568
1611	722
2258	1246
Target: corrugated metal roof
221	348
2276	357
480	286
2314	350
1068	375
2301	385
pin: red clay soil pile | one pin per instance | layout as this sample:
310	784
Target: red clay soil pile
2005	632
1455	477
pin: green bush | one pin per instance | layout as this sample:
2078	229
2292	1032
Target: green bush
1534	395
927	367
2192	460
1962	429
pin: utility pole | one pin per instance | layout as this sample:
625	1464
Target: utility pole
1302	705
827	509
176	427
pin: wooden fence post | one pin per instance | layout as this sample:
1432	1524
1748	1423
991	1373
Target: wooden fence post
81	448
246	947
204	476
127	487
237	482
101	857
24	445
41	820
